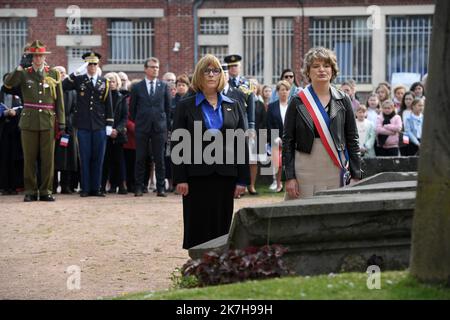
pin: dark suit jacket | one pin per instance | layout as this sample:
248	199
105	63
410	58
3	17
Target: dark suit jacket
186	113
150	114
274	121
93	109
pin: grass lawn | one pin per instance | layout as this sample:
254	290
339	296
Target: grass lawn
346	286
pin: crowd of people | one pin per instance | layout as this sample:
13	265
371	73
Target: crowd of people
96	134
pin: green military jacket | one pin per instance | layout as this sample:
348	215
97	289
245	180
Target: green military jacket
40	93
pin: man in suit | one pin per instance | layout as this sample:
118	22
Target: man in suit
150	107
43	108
93	118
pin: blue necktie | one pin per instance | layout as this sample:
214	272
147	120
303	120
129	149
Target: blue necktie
151	88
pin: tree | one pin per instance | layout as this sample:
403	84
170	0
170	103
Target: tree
430	253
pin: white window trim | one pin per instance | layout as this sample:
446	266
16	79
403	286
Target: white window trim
78	40
123	67
113	13
18	13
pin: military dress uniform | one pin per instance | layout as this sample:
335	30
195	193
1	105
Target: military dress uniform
93	113
43	107
245	86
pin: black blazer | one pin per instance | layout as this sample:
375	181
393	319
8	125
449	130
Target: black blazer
274	120
93	109
120	107
298	132
186	113
150	114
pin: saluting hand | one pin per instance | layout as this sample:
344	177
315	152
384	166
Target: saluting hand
183	189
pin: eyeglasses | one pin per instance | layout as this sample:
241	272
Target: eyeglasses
92	64
215	71
288	76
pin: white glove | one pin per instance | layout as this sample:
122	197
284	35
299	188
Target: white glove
279	141
109	130
81	70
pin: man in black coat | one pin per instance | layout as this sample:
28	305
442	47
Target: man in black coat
150	108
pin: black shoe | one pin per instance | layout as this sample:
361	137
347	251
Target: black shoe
66	191
145	190
253	193
30	197
46	197
84	194
123	191
161	194
97	194
112	190
138	193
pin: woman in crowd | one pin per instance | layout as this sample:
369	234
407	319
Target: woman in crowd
208	190
113	167
316	121
266	94
276	117
260	123
289	76
404	113
413	127
389	125
383	92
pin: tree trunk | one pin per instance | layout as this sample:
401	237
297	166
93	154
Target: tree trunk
430	253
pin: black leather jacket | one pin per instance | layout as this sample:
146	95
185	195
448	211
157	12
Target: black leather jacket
298	133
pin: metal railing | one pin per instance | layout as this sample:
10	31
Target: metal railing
408	43
13	37
213	25
283	36
219	51
85	27
131	41
253	36
350	38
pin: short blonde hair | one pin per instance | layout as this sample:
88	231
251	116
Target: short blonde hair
198	79
321	54
284	83
361	107
116	77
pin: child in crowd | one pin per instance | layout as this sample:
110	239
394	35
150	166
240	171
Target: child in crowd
366	133
389	124
413	127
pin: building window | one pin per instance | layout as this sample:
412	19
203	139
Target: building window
283	38
253	34
351	40
13	38
131	41
219	51
408	44
84	28
213	25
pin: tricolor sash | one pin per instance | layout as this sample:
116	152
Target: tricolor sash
322	123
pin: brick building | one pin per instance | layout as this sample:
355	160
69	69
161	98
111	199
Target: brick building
373	39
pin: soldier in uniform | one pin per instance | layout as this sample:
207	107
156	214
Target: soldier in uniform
93	118
237	81
43	107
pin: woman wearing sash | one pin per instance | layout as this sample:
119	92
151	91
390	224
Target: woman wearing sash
320	138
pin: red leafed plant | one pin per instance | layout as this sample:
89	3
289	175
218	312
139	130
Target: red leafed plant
237	265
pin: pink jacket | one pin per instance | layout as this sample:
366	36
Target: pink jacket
391	129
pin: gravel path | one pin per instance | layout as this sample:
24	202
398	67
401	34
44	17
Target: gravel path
121	244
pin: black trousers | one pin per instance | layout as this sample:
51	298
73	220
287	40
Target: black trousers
207	209
130	159
113	168
144	142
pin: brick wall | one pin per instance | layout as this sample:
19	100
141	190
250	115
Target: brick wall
175	26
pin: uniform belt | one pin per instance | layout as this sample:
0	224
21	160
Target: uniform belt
39	106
